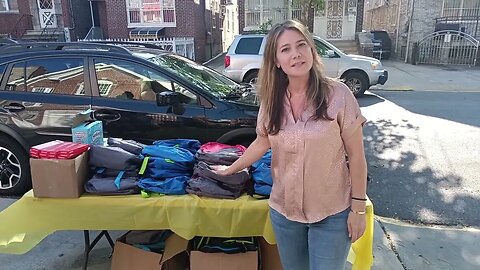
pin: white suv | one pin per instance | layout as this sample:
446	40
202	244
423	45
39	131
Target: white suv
244	58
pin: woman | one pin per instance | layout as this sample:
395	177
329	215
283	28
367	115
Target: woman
311	123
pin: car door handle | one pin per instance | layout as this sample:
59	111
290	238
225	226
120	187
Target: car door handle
14	107
107	116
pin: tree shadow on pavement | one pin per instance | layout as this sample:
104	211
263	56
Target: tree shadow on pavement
403	189
369	99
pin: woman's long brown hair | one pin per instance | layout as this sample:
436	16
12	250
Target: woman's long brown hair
273	82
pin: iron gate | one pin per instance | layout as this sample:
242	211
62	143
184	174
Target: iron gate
447	47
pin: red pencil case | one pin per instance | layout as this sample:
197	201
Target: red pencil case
58	150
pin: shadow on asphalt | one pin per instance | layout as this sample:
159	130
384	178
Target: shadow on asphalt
401	189
460	107
369	99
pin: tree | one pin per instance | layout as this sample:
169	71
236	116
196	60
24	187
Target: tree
264	27
307	10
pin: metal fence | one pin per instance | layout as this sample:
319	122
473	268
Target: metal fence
466	24
447	47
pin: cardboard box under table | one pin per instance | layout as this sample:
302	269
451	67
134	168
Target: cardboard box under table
221	261
27	221
174	257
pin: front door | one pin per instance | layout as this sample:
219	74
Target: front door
46	13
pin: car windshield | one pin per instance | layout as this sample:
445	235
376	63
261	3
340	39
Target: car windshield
205	78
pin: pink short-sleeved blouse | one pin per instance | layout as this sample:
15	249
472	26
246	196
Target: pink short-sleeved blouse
311	180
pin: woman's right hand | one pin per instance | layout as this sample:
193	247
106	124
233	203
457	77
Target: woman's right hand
253	153
225	172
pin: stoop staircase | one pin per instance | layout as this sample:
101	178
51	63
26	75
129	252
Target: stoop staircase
49	35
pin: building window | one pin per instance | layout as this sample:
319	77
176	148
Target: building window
104	88
8	5
457	8
151	13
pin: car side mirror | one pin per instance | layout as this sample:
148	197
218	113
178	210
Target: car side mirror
167	98
330	54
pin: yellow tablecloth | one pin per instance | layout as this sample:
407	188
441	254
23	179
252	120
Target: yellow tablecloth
29	220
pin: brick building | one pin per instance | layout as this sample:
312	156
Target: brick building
157	19
57	20
15	17
49	20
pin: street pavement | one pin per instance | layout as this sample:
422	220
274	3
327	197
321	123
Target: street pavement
408	77
422	148
422	151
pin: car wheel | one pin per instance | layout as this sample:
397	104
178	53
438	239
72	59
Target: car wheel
14	168
251	77
357	82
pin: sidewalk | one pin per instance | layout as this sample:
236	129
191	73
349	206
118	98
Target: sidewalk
217	63
397	246
407	77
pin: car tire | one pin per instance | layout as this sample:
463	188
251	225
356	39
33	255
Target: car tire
251	77
14	168
357	82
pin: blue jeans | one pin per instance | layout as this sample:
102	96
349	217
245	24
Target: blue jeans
323	245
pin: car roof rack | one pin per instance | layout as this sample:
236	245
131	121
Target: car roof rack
5	41
127	44
58	46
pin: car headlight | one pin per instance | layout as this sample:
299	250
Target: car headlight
375	65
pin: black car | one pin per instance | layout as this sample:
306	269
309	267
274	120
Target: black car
138	92
382	44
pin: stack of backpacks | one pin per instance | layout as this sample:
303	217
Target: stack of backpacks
118	175
262	175
224	245
174	167
167	165
205	181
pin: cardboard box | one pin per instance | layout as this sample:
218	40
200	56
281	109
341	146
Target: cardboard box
88	133
221	261
269	258
59	178
86	130
127	257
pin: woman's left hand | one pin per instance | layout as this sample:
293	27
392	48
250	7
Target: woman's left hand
356	226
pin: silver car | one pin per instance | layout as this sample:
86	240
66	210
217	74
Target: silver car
244	58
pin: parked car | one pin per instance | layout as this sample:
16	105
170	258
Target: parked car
383	47
44	86
244	58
